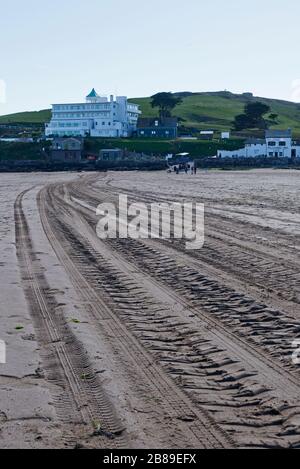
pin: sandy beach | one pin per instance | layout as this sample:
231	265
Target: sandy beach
124	343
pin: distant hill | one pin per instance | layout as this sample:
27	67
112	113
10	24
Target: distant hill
214	110
35	117
217	110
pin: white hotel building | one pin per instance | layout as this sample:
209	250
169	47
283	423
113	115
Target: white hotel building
97	117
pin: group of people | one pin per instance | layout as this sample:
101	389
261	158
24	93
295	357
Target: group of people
187	168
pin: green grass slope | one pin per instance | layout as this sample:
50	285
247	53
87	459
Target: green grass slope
214	111
196	148
36	117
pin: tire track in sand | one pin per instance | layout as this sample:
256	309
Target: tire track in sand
80	402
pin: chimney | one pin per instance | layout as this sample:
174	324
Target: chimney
111	98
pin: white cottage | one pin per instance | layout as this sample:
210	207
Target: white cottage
277	144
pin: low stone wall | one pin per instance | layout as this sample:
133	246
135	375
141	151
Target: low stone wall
38	165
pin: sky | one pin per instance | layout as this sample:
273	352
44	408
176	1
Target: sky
58	50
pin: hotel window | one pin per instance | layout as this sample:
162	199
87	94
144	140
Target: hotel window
282	144
272	144
271	153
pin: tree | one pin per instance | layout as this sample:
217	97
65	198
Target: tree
253	117
242	122
273	118
255	112
166	102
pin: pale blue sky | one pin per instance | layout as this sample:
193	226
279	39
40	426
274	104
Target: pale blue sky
57	50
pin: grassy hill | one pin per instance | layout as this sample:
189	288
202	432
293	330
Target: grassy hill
217	110
199	111
35	117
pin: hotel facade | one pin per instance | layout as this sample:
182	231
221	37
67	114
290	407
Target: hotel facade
97	117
